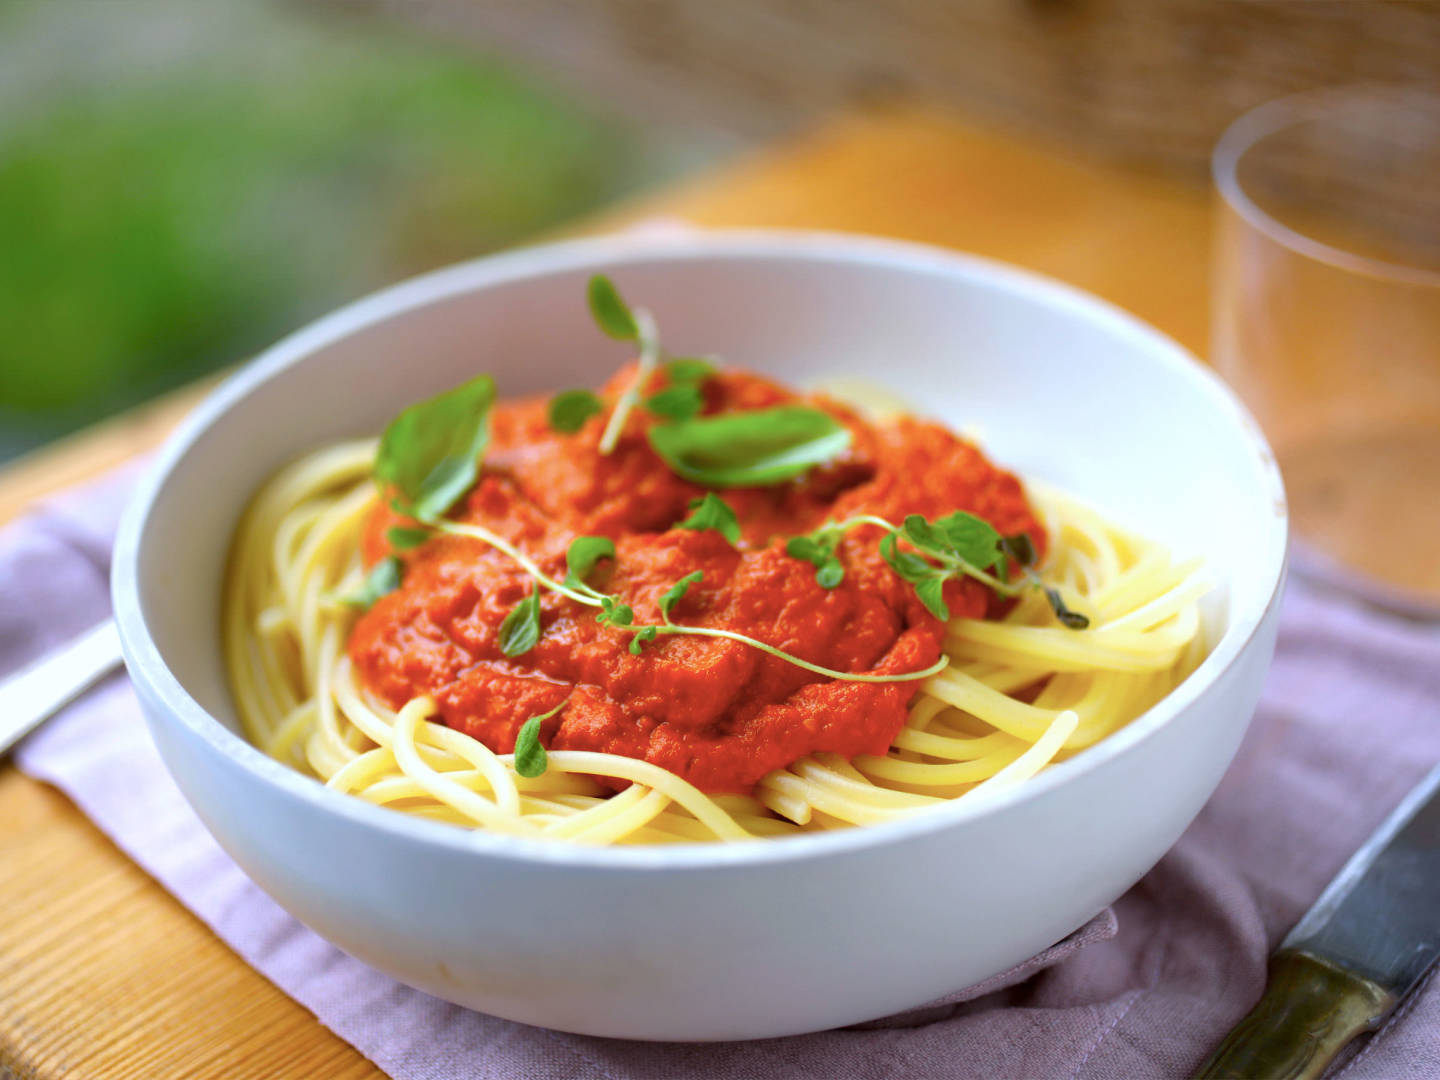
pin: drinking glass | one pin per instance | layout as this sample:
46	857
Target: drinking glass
1326	321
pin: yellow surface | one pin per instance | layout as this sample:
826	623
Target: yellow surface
103	975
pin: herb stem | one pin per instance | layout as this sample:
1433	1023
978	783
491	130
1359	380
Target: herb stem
479	532
1004	588
848	676
649	357
864	519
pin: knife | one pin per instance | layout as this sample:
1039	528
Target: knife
36	693
1366	943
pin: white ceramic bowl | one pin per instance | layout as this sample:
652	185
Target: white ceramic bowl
778	936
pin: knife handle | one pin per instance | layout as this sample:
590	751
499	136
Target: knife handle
1309	1011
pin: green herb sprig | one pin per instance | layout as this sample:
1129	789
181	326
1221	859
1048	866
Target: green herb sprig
954	546
761	447
818	548
1019	548
616	319
622	616
586	552
681	400
957	545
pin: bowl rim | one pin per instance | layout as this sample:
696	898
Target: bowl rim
150	671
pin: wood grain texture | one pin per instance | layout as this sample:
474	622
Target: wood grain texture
104	975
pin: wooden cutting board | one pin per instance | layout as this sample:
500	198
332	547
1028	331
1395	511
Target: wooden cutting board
104	975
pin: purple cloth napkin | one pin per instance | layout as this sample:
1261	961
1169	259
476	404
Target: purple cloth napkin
1349	722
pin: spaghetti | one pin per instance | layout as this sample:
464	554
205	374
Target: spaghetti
1017	694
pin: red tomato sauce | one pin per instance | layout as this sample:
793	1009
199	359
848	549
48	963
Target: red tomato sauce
720	714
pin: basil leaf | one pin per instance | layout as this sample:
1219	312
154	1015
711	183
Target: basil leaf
713	512
643	637
971	538
403	539
678	402
750	449
931	592
1073	620
610	312
530	757
584	552
830	574
383	578
430	453
674	594
569	410
688	369
520	631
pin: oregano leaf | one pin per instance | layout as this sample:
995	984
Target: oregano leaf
1020	548
530	757
713	512
1072	620
643	637
569	409
383	578
403	539
678	402
931	592
610	312
924	535
908	565
971	539
615	613
688	369
676	592
584	552
807	548
520	629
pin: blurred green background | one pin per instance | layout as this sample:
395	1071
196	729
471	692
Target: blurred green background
183	181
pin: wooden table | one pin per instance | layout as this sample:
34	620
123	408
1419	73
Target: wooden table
103	974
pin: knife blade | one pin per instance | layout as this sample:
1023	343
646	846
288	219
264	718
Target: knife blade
1366	943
